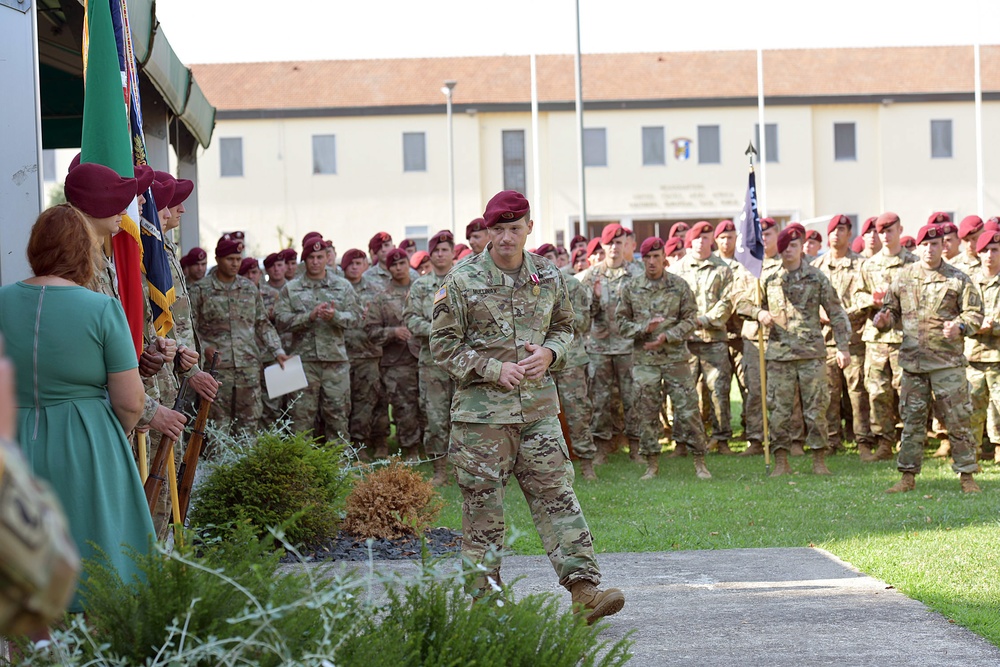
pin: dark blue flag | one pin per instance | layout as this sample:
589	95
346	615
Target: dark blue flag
749	240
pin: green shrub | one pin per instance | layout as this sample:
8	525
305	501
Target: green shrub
281	479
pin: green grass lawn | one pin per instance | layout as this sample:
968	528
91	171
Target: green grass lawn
935	544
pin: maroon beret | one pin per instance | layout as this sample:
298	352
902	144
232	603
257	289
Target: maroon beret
226	247
611	232
75	162
651	244
545	248
628	232
790	233
288	254
836	221
672	245
395	255
908	242
163	192
418	258
992	222
798	226
678	229
271	259
723	227
593	246
407	243
99	191
577	239
813	235
937	217
767	223
144	176
970	225
234	236
577	254
987	239
461	248
350	256
948	228
505	206
316	244
858	245
885	221
697	230
309	235
247	264
929	232
182	190
868	225
477	225
193	256
443	236
376	242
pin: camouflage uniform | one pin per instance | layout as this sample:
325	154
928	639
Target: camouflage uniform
398	364
922	300
610	355
366	381
272	408
746	289
571	381
796	353
733	338
436	386
320	343
482	318
711	282
966	263
882	370
845	276
983	353
380	275
230	318
667	369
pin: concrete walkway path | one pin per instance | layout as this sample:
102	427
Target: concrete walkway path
768	607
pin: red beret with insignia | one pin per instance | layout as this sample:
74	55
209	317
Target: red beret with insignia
234	236
579	238
992	223
308	236
444	236
461	251
651	244
577	254
868	225
992	236
395	255
908	242
836	221
144	176
163	192
970	225
697	230
723	227
767	223
99	191
350	256
406	244
886	220
593	246
247	264
937	217
376	242
193	256
611	232
791	233
477	225
271	259
505	206
798	226
947	228
316	244
288	254
672	245
544	249
929	232
813	235
678	229
182	190
226	247
858	245
418	258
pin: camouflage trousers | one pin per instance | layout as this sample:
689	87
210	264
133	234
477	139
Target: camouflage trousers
984	391
436	391
736	362
610	373
882	380
948	390
849	381
710	366
402	387
238	406
753	411
571	384
652	386
807	379
366	394
328	397
485	456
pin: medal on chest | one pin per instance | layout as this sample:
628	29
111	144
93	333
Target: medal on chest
535	289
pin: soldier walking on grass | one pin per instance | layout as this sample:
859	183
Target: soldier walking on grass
501	321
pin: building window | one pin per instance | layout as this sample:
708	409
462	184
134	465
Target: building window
419	234
709	150
595	147
231	156
414	151
49	165
653	147
771	135
324	154
845	146
514	175
941	139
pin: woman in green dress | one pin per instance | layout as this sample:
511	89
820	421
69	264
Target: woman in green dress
78	389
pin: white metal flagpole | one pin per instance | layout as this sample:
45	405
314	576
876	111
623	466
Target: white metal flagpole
536	197
980	202
579	130
762	183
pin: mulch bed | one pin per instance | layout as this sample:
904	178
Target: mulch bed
344	547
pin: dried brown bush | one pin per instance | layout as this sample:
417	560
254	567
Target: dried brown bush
391	502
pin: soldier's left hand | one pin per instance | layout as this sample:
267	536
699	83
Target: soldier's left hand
167	347
653	344
187	356
204	385
843	360
952	330
282	358
537	362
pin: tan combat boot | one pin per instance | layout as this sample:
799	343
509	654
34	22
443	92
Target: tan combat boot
943	450
968	484
633	450
700	471
907	483
652	466
590	600
754	449
680	450
865	452
781	466
603	447
440	471
723	448
587	469
819	462
884	451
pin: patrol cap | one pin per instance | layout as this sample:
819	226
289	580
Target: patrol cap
678	229
886	220
288	254
987	239
723	227
226	247
376	242
593	246
505	206
579	238
477	225
316	244
418	258
929	232
544	249
937	217
163	192
697	230
444	236
143	178
395	255
868	225
99	191
651	244
350	256
813	235
790	233
767	223
858	245
672	245
193	256
970	225
247	264
270	260
836	221
406	244
611	232
908	242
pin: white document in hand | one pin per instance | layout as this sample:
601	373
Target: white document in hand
281	381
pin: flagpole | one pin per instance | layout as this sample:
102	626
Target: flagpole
579	129
761	363
979	134
761	188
